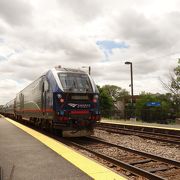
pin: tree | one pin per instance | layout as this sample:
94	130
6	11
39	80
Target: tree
175	80
117	93
116	96
106	102
159	114
174	88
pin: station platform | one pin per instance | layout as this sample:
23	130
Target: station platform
26	154
137	123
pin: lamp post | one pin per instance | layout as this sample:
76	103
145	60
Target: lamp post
131	70
89	69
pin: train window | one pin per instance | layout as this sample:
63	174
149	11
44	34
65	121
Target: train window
75	82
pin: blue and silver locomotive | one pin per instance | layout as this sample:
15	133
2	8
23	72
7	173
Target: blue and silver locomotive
63	98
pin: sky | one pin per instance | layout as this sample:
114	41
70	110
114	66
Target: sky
38	35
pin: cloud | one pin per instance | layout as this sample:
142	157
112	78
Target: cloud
153	34
38	35
29	64
2	58
9	88
2	40
16	12
85	11
141	30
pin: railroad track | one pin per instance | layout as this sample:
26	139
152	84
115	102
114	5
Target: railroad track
141	132
136	162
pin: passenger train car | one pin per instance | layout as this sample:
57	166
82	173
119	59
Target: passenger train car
62	98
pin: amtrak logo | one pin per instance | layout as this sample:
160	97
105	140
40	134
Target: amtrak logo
79	105
72	105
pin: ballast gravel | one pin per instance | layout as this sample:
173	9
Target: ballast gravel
154	147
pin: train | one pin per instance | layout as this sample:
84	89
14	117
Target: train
62	99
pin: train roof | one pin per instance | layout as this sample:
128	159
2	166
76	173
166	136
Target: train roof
58	69
70	70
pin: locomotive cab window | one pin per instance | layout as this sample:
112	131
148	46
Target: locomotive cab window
74	82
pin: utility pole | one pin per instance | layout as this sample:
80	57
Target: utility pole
132	93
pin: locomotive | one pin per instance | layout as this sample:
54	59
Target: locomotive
63	99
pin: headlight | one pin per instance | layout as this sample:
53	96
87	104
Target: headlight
95	98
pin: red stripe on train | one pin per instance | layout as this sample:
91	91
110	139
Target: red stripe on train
36	110
80	112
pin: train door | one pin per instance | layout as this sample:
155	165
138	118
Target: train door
45	90
14	107
21	103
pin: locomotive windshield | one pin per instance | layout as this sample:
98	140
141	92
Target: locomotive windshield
73	82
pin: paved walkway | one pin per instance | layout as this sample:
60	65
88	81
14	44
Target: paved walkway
23	157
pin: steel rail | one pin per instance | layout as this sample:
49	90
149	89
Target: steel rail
131	168
142	128
144	134
139	131
140	135
149	155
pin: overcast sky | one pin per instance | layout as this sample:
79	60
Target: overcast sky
37	35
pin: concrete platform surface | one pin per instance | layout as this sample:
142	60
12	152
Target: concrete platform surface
23	157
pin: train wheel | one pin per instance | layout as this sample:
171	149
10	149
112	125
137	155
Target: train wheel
43	124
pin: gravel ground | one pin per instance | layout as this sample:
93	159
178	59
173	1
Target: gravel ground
141	144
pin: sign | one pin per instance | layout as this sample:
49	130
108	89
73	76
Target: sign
79	106
153	104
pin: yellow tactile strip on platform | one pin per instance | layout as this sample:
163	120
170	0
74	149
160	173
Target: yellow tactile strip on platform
90	167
